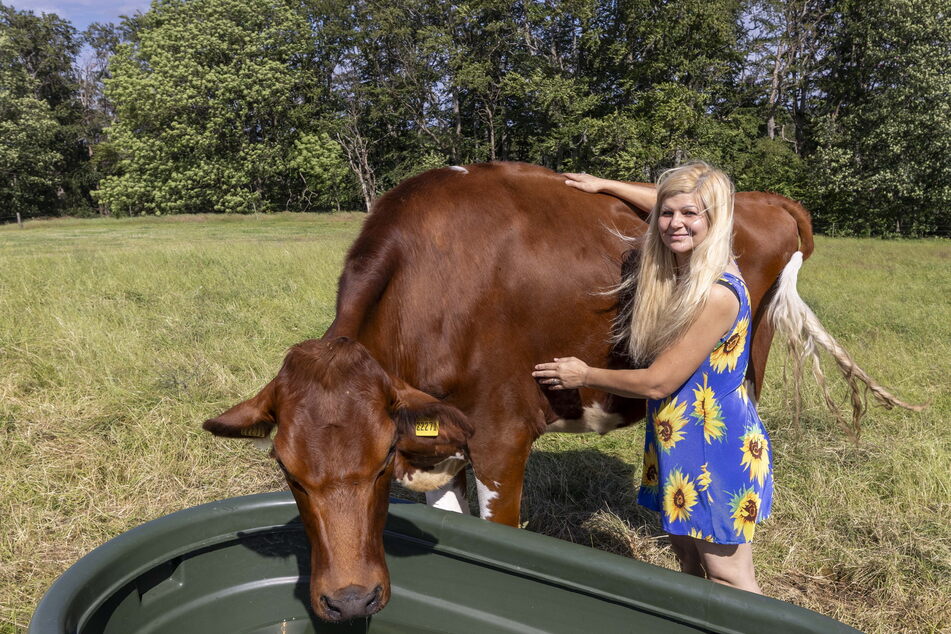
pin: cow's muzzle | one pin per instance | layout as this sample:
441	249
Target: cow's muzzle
352	602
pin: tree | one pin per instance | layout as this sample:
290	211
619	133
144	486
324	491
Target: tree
320	162
784	65
392	89
548	88
97	111
225	105
883	140
41	116
209	100
667	72
28	138
103	40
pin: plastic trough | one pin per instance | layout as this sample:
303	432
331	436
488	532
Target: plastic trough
241	566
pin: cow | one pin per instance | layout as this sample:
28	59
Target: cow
461	280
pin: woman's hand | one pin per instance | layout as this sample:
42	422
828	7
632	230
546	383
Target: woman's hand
584	182
565	373
641	196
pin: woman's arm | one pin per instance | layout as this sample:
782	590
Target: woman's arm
668	371
641	196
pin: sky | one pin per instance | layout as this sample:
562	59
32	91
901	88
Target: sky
81	13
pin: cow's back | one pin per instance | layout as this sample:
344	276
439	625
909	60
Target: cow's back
462	280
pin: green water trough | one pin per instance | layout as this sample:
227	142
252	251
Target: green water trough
242	566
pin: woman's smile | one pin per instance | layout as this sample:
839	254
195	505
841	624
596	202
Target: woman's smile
682	223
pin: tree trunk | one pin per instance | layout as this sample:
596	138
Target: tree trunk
490	119
357	149
774	91
457	140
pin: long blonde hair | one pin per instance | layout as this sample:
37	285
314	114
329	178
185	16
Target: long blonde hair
666	301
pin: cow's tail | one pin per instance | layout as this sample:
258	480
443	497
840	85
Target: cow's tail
803	224
805	335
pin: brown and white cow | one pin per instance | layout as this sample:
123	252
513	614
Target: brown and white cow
460	281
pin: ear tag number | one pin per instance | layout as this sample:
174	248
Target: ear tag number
427	427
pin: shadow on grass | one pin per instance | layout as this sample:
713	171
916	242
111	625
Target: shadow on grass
587	497
584	496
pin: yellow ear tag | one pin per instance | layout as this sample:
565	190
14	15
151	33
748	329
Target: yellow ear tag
427	427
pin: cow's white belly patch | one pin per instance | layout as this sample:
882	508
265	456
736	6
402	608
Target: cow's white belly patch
594	418
437	477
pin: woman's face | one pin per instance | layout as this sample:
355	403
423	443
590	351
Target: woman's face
682	225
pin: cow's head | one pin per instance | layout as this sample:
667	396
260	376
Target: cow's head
345	429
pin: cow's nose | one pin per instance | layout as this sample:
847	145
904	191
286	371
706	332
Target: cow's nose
352	602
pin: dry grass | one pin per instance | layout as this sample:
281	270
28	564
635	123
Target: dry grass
117	337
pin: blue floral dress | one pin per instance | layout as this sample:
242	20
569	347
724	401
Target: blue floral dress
707	456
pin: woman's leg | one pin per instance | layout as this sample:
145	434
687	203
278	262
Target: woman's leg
687	554
729	564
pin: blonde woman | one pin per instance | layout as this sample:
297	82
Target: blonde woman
707	467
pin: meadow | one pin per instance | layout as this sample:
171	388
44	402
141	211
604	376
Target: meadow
118	337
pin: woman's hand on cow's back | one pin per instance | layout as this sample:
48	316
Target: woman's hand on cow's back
641	196
585	182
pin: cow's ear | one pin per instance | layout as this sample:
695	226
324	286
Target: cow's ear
253	418
429	430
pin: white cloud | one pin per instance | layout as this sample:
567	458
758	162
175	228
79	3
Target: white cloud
36	7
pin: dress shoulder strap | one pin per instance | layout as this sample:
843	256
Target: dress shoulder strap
737	286
725	282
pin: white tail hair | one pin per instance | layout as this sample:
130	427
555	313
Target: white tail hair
804	333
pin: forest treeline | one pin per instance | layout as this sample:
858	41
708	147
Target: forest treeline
264	105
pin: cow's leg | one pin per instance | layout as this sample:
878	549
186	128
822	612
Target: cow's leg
759	353
499	471
762	340
451	496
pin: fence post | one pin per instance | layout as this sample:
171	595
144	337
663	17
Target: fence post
19	220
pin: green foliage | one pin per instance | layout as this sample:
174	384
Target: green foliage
881	161
43	159
222	105
322	166
29	160
689	42
771	165
206	108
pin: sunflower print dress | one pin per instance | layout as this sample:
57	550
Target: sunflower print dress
707	456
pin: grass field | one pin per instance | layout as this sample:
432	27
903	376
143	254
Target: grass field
118	337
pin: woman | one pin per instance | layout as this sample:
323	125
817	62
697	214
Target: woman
707	455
